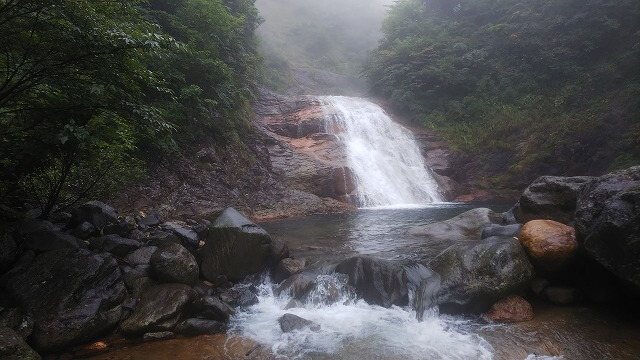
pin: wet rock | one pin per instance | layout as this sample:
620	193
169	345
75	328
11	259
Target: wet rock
18	322
476	275
140	285
608	223
174	264
8	251
213	308
163	238
286	268
550	244
550	198
155	336
131	273
236	247
193	327
290	322
513	308
115	245
152	219
297	286
292	304
96	213
185	234
73	295
121	228
245	299
141	256
501	230
42	236
84	230
426	286
202	230
159	309
278	251
561	295
13	347
377	281
466	226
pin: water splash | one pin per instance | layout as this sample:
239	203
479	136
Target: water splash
387	165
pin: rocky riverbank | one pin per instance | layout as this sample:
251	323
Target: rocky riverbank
85	275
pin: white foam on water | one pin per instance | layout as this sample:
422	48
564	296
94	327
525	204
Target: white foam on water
388	168
353	329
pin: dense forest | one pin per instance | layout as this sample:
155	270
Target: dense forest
92	92
543	86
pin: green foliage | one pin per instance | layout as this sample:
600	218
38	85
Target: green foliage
91	90
551	82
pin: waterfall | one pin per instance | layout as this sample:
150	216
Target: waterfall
384	158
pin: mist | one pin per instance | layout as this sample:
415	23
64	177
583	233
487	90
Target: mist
332	35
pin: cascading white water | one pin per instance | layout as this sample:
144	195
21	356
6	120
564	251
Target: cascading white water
388	169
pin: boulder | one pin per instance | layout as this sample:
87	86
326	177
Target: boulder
290	322
193	327
162	238
501	230
213	308
13	347
96	213
153	219
73	296
245	299
550	198
114	244
513	308
156	336
476	275
187	235
377	281
236	247
141	256
84	230
42	236
286	268
277	251
18	322
466	226
607	222
550	244
296	286
174	264
159	309
425	283
8	251
122	228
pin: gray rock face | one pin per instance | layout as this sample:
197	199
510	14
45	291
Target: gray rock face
377	281
550	198
115	244
13	347
236	247
188	236
501	230
159	309
96	213
290	322
475	276
466	226
286	268
608	223
174	264
193	327
74	296
213	308
41	236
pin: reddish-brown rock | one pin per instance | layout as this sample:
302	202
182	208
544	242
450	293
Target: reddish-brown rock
513	308
549	243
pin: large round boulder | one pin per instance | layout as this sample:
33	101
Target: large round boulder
377	281
607	223
550	244
550	198
235	247
474	276
174	264
73	296
159	309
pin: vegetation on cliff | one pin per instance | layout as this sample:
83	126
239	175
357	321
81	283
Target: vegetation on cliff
90	91
552	86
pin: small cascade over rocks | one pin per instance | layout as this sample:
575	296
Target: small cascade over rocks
385	161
